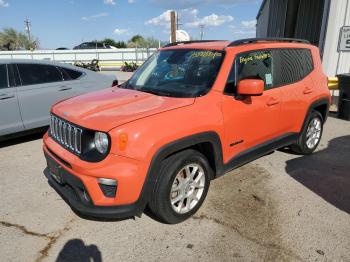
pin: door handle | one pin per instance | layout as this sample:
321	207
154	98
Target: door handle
272	101
64	88
6	96
307	90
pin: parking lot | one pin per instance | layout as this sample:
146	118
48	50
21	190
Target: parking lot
282	207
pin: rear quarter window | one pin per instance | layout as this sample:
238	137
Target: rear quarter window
70	74
291	65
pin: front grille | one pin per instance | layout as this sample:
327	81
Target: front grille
66	134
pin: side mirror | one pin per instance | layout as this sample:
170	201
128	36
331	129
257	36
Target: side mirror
250	87
115	82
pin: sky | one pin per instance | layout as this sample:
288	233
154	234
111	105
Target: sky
67	23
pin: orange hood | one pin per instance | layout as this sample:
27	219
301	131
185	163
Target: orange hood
106	109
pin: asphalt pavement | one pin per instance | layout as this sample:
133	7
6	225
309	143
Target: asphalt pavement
282	207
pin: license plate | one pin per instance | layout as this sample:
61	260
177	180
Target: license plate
55	173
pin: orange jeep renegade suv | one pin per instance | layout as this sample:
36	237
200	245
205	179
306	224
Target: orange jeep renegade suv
191	113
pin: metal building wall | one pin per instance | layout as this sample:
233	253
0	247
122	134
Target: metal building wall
334	62
309	20
277	20
263	19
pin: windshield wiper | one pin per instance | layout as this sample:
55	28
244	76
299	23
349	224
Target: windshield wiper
156	92
126	85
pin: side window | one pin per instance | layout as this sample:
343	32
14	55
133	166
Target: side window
230	87
255	65
13	75
70	74
32	74
291	65
3	77
308	62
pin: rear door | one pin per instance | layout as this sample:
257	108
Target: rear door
10	117
72	80
291	68
84	82
42	86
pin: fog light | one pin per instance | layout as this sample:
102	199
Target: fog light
107	181
108	186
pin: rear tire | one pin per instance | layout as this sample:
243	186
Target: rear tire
182	186
310	136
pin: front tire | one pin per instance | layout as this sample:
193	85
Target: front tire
310	136
182	186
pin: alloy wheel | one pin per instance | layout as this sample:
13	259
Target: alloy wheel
313	133
187	188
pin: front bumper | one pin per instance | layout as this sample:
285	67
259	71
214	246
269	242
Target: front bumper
74	192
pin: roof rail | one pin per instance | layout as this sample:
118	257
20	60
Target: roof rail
269	39
191	42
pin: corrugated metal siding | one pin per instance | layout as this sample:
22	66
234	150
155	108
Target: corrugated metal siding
309	20
263	20
334	62
277	21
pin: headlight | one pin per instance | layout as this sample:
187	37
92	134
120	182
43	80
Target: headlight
101	142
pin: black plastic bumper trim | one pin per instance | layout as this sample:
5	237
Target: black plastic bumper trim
88	209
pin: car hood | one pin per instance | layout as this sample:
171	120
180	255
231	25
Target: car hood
106	109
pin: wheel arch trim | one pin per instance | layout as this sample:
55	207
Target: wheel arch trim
176	146
318	102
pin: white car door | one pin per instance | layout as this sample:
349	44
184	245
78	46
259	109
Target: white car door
85	81
42	86
10	117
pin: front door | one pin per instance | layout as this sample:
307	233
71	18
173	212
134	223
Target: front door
42	86
10	117
251	120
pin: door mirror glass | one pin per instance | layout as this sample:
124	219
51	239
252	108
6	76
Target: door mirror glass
250	87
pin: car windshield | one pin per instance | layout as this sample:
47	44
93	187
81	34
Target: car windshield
177	73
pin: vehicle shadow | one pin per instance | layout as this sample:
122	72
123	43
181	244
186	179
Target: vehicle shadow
326	173
76	250
24	138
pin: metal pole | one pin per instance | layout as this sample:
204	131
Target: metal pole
202	30
136	55
28	28
173	26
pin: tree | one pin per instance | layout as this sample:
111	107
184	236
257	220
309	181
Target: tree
111	42
120	44
138	41
10	39
152	42
137	38
108	41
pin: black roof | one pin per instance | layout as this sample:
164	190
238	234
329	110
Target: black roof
268	39
244	41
